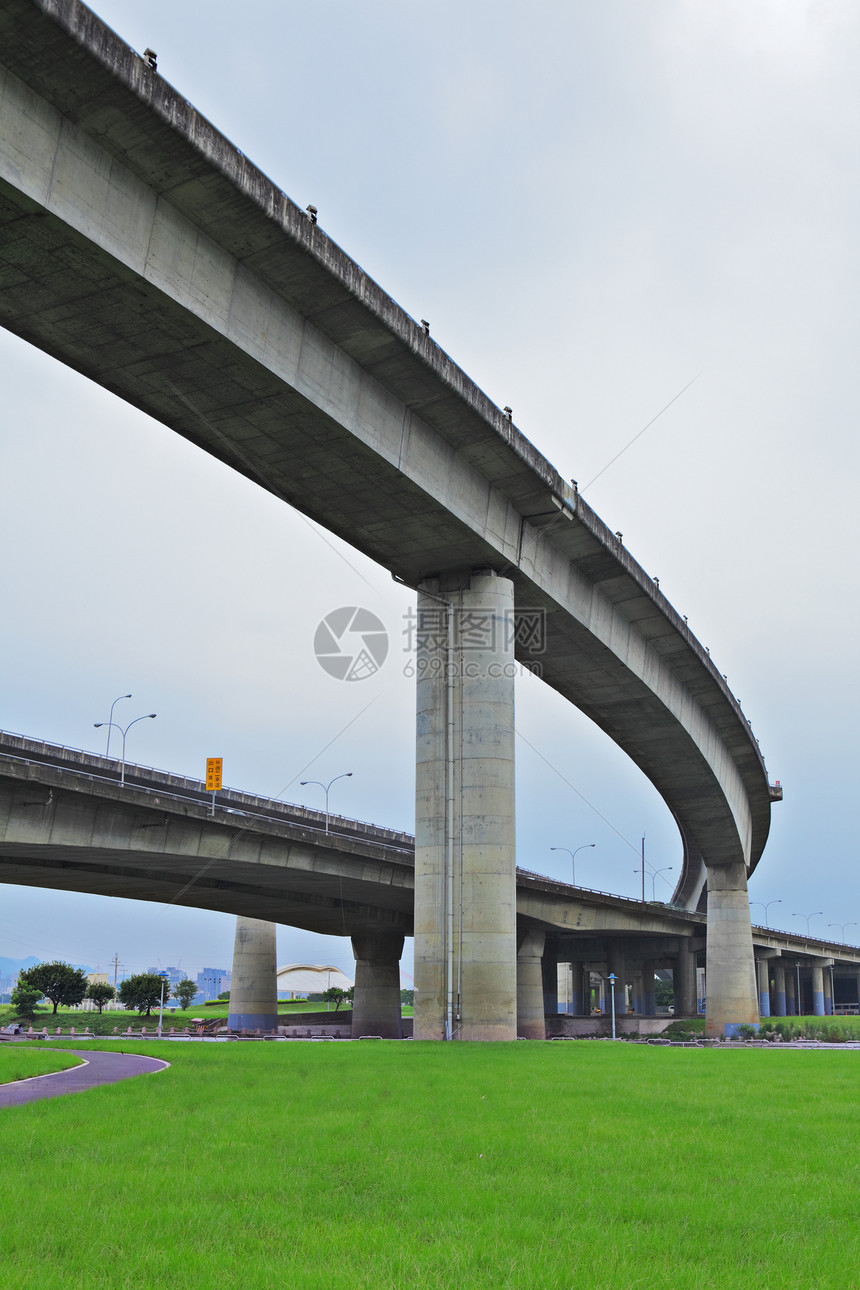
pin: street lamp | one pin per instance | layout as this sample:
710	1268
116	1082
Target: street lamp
808	916
612	979
765	907
573	855
325	788
148	716
842	926
110	719
654	876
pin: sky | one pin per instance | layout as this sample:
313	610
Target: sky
594	204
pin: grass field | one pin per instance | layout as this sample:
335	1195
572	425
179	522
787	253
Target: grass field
335	1166
23	1061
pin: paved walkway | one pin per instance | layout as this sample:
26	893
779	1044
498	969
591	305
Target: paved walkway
97	1068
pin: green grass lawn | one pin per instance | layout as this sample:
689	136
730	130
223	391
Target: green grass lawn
22	1061
335	1166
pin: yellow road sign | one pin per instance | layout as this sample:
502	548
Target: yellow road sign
213	774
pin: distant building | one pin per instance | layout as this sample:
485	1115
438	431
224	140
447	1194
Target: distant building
213	981
299	979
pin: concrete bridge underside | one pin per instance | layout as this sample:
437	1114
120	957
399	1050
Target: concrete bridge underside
144	250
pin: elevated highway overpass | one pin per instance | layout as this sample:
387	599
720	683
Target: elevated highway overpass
66	824
145	250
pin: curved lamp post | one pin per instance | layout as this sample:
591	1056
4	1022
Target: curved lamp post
654	876
573	855
765	907
842	927
808	916
325	788
147	716
110	720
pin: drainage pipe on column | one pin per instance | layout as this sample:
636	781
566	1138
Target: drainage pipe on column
450	813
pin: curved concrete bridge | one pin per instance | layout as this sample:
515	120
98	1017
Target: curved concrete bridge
148	253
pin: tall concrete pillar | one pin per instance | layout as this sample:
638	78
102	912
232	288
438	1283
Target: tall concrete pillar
465	867
649	989
791	1009
731	985
828	993
579	986
817	990
531	1022
376	1002
549	974
763	967
254	983
778	988
684	980
615	965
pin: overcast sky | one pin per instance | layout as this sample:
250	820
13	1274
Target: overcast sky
593	203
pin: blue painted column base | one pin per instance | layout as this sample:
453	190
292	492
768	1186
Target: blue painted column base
731	1028
252	1021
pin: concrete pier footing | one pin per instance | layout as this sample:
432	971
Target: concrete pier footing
465	874
732	996
684	981
376	1002
763	966
778	989
531	1016
253	986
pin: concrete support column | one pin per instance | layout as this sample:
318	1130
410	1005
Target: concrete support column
465	874
649	989
778	988
376	1002
254	983
817	990
579	986
731	985
763	966
637	987
684	981
791	1008
549	976
615	964
828	993
531	1022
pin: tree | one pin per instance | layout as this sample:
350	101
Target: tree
143	992
25	998
59	982
225	994
185	991
407	998
664	992
100	993
335	995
